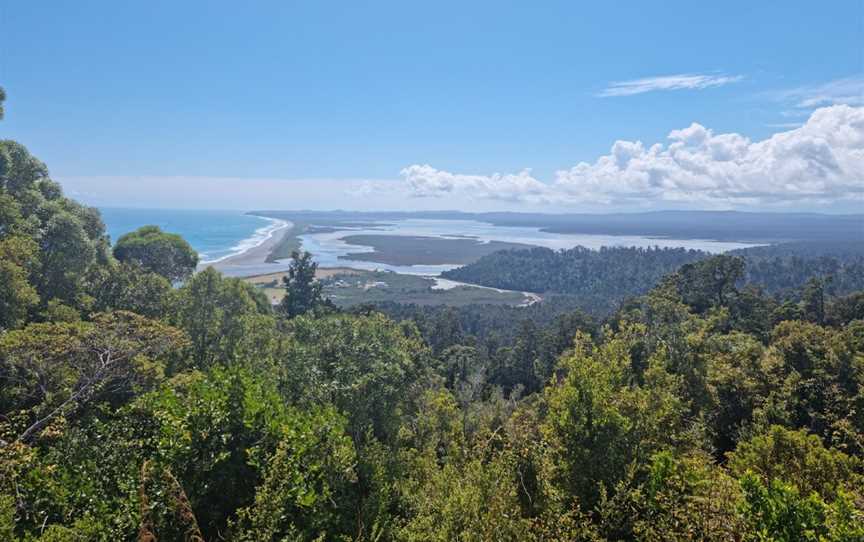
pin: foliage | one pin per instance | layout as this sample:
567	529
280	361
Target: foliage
365	366
799	459
128	286
303	292
625	271
53	370
233	445
17	295
778	511
602	279
48	243
226	320
600	409
167	254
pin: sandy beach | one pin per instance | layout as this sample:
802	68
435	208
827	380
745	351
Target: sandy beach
255	257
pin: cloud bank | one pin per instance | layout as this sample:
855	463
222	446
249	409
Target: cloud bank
668	82
819	164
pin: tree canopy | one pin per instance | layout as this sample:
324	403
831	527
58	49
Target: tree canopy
166	254
302	291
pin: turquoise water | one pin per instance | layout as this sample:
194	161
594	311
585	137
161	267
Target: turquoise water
214	234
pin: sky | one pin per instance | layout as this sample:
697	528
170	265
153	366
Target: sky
558	106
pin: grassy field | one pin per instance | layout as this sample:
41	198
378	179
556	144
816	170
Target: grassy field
405	250
348	287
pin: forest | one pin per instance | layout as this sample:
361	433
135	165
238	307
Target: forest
712	398
602	279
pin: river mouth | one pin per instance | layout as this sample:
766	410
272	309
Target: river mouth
432	246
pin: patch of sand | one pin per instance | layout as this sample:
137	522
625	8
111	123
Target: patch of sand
256	255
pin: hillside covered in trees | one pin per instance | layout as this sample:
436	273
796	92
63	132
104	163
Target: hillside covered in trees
141	401
601	279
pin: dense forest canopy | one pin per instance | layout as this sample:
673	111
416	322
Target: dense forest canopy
699	409
601	279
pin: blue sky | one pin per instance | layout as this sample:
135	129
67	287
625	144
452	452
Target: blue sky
308	92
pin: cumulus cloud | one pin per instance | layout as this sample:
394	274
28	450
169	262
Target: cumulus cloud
821	162
668	82
426	181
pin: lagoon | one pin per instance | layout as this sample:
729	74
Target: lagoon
330	248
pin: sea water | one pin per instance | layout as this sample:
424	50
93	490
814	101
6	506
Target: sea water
213	234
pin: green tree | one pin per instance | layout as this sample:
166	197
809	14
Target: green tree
303	292
2	99
17	295
66	254
475	501
843	310
227	320
673	499
304	480
70	238
130	287
816	377
799	459
776	511
234	444
813	300
737	385
368	366
52	370
167	254
710	283
600	410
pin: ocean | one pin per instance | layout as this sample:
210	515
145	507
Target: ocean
213	234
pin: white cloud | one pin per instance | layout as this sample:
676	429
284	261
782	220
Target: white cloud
849	91
426	181
821	162
668	82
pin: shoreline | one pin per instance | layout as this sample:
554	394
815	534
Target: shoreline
255	254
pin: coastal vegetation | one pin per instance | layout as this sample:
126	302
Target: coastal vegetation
418	250
166	254
699	408
602	279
